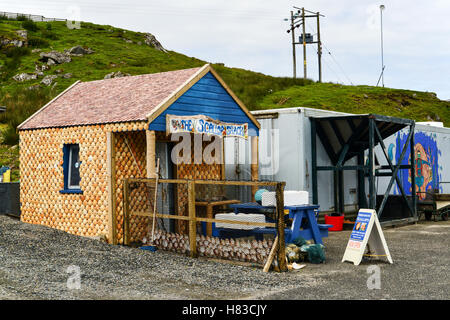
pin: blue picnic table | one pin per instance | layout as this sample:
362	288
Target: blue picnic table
308	229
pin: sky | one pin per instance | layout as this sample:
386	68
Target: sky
252	35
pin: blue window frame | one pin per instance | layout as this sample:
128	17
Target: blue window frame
71	168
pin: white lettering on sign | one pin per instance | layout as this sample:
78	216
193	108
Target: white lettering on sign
205	125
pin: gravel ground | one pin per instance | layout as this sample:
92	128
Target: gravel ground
35	261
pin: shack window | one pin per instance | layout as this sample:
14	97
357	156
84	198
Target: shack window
74	167
71	168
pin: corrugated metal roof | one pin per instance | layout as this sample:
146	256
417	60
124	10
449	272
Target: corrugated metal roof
353	130
123	99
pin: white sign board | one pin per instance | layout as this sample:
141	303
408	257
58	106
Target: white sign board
205	125
367	233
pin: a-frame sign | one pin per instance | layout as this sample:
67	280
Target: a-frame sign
367	233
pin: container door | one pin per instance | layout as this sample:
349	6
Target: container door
237	166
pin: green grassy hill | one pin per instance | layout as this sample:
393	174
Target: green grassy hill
116	49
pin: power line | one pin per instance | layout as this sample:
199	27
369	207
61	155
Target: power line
332	70
340	67
332	56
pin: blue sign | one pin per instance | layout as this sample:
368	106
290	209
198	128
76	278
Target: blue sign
360	227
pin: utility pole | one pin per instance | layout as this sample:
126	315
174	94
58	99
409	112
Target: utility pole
382	58
306	38
319	48
304	43
294	63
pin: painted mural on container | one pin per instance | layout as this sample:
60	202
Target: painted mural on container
426	166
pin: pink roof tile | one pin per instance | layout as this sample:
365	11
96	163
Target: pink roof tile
111	100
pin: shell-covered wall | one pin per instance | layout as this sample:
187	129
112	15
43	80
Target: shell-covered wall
130	160
42	177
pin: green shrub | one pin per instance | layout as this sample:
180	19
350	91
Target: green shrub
48	26
10	135
21	103
16	52
30	25
22	17
37	42
49	35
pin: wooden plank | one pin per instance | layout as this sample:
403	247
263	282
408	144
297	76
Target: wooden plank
150	155
212	182
199	219
111	173
254	164
192	220
280	227
216	203
272	253
158	215
248	223
209	215
126	210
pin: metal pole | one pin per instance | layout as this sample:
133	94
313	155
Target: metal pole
382	58
413	171
294	64
372	192
304	43
314	161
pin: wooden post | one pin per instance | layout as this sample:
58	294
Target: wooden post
271	255
126	210
280	226
151	146
209	214
362	199
111	171
254	163
192	220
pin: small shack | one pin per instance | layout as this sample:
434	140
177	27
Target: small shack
77	149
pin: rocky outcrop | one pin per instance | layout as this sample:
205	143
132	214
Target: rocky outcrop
79	51
118	74
151	41
48	80
20	42
54	57
20	77
23	34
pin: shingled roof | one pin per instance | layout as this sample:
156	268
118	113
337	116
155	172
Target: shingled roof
123	99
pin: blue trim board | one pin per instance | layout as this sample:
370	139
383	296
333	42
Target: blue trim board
208	97
71	191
